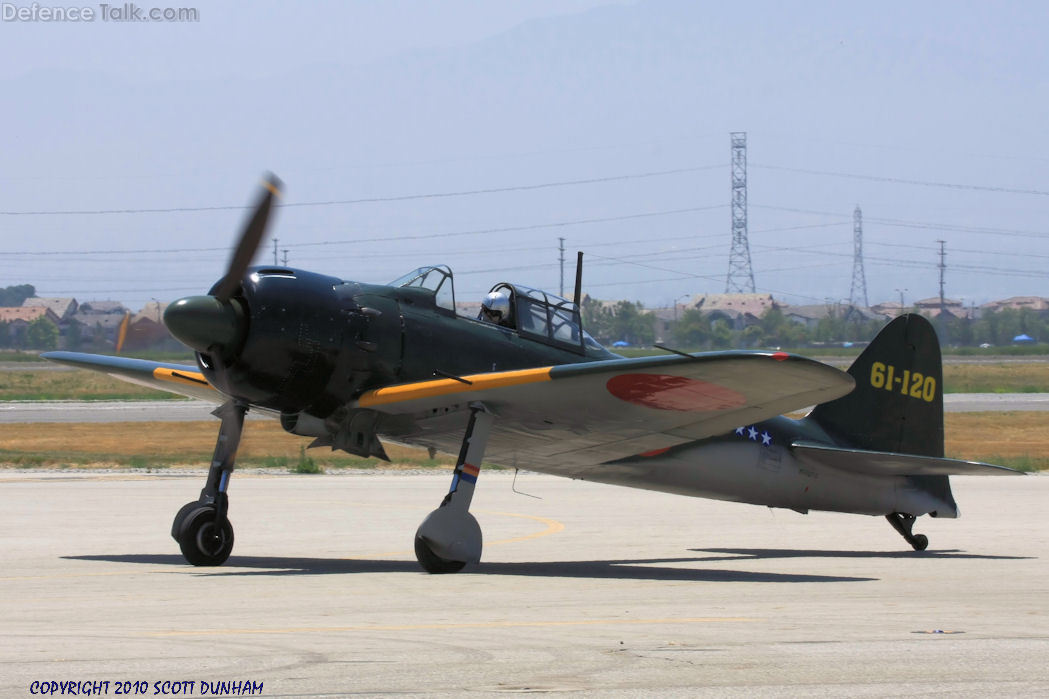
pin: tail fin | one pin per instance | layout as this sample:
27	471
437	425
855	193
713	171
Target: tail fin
897	405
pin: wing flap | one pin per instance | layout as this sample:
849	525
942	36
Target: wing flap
183	379
880	463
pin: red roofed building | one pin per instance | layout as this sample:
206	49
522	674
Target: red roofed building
18	318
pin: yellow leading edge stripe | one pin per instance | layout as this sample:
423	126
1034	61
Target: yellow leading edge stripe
189	378
397	394
441	387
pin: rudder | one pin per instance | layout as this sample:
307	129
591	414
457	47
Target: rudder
897	405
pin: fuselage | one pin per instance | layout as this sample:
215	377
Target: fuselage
314	343
755	464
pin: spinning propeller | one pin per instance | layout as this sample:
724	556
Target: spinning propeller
216	322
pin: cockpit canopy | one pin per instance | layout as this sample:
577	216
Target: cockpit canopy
546	317
436	278
535	314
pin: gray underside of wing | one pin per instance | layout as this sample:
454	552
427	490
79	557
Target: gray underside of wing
572	424
182	379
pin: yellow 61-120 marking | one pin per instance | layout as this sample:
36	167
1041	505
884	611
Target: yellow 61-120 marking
913	384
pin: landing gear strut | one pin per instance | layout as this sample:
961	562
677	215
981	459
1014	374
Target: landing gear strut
201	528
903	523
450	537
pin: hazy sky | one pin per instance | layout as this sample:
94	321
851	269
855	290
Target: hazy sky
603	123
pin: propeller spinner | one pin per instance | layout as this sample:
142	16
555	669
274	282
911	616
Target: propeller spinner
216	321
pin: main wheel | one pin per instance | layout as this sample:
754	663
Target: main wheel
433	563
920	543
203	541
180	517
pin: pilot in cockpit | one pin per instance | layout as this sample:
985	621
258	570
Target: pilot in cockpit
496	308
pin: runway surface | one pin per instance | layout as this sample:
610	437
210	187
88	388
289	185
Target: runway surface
591	589
108	411
190	410
994	402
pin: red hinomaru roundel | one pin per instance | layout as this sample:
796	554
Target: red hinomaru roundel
664	392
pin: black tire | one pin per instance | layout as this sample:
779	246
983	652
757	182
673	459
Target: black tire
203	542
433	563
180	517
920	543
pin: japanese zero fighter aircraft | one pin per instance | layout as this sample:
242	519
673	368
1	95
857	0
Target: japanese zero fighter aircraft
522	385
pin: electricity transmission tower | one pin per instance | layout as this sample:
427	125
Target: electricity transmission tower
858	293
740	274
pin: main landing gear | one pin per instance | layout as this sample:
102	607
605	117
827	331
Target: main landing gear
903	523
450	537
201	528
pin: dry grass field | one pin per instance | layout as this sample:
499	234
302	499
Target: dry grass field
1011	439
72	385
1015	439
996	378
167	444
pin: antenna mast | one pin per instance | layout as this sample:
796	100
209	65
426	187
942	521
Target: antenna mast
562	258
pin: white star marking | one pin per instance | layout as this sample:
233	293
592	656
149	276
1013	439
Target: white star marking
753	434
740	430
766	439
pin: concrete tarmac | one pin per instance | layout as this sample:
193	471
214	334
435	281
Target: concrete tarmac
591	590
109	411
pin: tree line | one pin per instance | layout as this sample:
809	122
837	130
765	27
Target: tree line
629	322
695	330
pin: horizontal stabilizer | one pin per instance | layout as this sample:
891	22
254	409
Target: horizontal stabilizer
883	463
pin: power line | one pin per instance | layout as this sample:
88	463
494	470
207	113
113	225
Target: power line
370	200
997	253
902	180
384	239
904	223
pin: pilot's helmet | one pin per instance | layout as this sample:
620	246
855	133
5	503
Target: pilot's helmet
497	305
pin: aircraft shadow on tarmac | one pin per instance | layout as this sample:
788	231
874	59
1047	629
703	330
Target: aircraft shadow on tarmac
630	569
728	554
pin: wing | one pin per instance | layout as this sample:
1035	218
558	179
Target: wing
882	463
183	379
565	418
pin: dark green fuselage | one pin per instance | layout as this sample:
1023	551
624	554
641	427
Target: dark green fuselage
315	342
